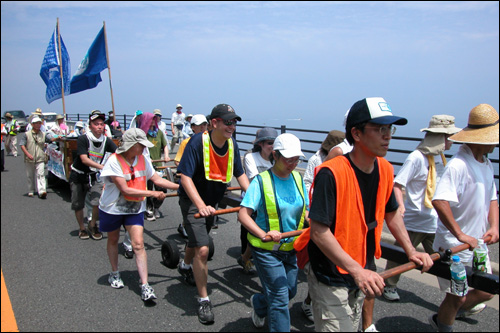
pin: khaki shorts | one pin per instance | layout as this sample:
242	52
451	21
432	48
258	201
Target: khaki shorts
335	309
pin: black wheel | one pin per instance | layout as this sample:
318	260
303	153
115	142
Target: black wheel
211	247
170	254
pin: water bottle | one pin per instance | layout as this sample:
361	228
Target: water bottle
480	256
458	280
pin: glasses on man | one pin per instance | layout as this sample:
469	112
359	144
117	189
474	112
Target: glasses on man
228	122
384	130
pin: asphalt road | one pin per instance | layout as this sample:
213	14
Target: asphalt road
57	282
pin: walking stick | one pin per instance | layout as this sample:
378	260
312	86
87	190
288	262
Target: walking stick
435	257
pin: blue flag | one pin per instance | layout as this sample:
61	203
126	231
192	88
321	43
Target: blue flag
50	71
88	74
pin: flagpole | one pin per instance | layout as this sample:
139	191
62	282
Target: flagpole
109	71
60	67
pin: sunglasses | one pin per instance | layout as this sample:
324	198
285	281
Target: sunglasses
132	173
269	143
228	122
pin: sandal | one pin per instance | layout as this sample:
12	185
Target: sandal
83	234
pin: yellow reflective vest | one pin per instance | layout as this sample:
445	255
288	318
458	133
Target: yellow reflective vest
273	214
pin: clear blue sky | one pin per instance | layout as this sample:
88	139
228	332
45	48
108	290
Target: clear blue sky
270	60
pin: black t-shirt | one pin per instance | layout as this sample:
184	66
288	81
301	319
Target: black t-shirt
82	148
323	210
191	165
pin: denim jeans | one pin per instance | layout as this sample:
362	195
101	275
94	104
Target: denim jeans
278	275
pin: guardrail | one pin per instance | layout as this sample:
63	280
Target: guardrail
311	140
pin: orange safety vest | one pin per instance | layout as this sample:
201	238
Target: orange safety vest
139	180
217	168
350	226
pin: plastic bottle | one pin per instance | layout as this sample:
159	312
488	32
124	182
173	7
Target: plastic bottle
480	256
458	280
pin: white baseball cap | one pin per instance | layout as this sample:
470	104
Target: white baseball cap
288	145
198	119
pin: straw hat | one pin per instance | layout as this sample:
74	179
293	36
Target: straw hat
443	124
482	127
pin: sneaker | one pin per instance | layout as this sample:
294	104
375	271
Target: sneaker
147	293
205	314
95	233
150	217
257	321
391	293
30	195
371	328
182	231
83	234
156	213
307	309
187	274
247	266
129	254
472	311
43	195
433	321
115	280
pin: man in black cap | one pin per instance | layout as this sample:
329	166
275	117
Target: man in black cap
91	151
352	196
209	162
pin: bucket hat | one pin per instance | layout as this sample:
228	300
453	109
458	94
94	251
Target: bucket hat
442	123
131	137
266	133
482	127
333	138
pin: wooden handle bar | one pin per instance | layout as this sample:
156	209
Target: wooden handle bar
411	265
228	189
219	212
284	235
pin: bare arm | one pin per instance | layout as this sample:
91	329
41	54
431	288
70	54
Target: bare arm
243	181
132	192
396	226
334	152
162	182
493	220
445	214
398	193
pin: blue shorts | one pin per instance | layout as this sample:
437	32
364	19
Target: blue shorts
110	222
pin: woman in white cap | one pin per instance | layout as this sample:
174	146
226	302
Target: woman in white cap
278	196
125	176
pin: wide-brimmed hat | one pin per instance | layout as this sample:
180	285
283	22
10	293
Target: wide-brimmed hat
178	106
8	115
131	137
59	116
482	127
157	112
264	134
333	138
288	145
442	123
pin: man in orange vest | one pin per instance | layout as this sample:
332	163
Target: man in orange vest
209	162
352	196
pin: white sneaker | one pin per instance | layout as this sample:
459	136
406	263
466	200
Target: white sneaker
391	294
371	328
157	213
115	280
147	293
472	311
257	321
307	309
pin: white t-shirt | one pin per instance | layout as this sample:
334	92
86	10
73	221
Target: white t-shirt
413	176
112	200
469	187
314	161
255	164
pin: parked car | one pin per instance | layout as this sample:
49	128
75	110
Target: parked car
20	116
49	119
